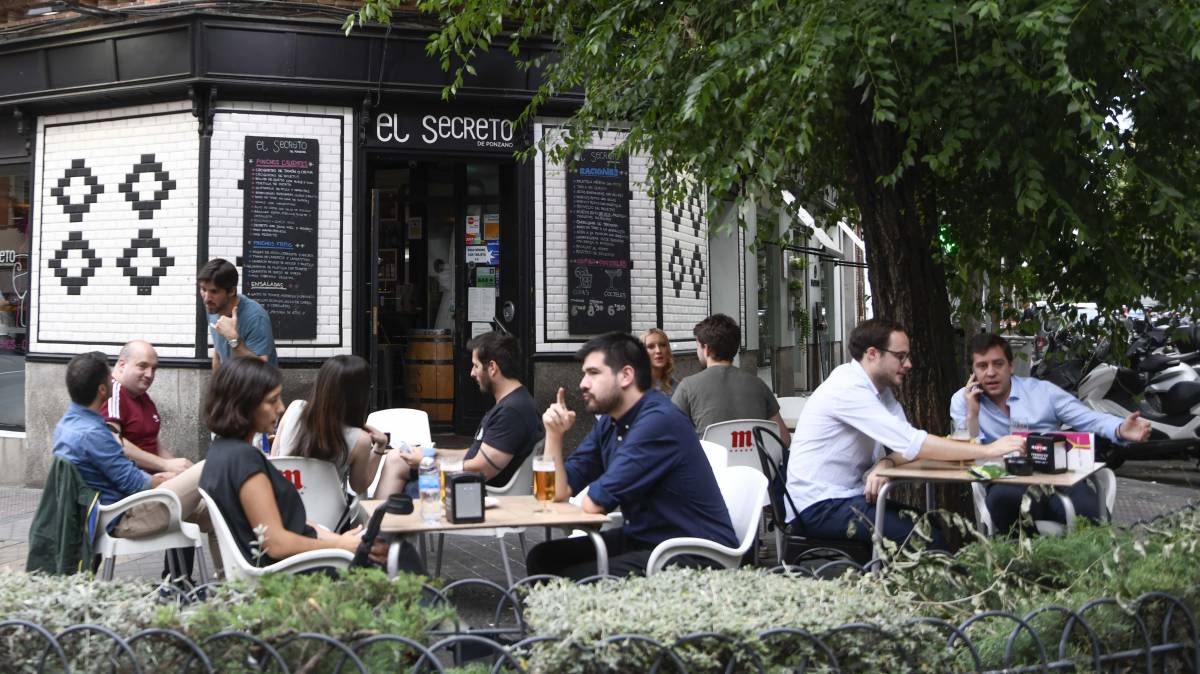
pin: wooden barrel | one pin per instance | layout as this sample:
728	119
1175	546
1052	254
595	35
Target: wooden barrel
429	374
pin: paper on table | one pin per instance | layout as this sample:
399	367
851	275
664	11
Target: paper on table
481	304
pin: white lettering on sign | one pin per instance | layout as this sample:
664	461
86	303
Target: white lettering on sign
8	257
435	129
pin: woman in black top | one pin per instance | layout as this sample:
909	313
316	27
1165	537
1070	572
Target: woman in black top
244	399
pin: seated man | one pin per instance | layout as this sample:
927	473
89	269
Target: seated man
842	432
132	414
82	438
722	392
642	456
994	396
508	432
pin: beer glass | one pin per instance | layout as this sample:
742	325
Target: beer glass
447	465
543	482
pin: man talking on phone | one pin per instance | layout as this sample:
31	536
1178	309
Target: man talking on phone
995	401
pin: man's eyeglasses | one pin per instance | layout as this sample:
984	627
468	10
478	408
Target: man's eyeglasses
900	355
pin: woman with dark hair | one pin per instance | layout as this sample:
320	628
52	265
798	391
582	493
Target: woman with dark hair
243	399
662	363
331	426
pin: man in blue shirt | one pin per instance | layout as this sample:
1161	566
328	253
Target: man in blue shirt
82	437
642	456
239	326
995	401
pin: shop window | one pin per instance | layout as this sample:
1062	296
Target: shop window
14	293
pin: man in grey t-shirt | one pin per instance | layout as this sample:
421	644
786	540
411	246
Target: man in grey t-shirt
722	392
239	326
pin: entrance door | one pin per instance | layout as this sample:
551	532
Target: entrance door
442	273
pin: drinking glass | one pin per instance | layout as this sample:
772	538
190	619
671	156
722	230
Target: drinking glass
961	433
1017	424
543	482
447	465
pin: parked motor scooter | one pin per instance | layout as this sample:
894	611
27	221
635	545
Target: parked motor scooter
1173	411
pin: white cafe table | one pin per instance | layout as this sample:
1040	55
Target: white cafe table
931	473
512	512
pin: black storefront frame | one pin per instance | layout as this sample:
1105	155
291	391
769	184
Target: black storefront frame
364	286
28	163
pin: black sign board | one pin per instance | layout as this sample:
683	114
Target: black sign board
280	250
598	244
442	130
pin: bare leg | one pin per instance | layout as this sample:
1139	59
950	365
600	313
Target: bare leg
393	479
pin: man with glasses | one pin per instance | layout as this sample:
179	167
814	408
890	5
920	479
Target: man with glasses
851	427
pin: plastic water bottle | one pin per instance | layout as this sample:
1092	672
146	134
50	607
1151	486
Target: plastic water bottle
428	481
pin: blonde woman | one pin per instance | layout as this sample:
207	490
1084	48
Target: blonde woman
662	363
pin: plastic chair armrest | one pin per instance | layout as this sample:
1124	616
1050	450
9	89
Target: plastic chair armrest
164	496
313	559
669	549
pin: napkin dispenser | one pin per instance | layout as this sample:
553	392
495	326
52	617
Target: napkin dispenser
1047	452
464	497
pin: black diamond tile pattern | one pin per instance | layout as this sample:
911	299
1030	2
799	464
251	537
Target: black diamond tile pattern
144	240
76	210
145	207
74	241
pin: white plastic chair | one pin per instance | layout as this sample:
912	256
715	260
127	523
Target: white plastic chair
790	408
402	423
743	490
179	534
718	456
319	485
520	484
236	566
737	436
1106	490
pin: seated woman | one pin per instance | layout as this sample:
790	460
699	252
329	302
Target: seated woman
243	399
331	426
662	363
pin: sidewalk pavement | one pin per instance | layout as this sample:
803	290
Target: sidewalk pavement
479	557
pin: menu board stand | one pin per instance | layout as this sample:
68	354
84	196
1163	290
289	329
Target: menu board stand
598	258
280	199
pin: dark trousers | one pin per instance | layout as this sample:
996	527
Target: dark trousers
832	519
576	557
1004	504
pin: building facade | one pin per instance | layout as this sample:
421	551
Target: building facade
367	214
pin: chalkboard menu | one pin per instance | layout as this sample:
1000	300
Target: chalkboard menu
598	244
280	256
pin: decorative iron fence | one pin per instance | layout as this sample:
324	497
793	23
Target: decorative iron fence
1162	638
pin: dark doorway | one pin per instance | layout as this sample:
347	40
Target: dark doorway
444	252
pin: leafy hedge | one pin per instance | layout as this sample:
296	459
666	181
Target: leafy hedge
278	608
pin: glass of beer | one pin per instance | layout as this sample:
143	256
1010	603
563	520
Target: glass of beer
543	482
447	465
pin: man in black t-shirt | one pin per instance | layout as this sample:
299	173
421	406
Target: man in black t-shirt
509	431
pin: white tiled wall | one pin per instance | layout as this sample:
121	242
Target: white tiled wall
550	214
333	129
108	310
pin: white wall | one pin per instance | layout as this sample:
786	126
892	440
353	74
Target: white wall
686	277
105	310
333	128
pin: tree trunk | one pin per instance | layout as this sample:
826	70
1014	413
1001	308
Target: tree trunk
899	227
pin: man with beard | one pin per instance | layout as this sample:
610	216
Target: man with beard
509	431
239	325
841	436
641	456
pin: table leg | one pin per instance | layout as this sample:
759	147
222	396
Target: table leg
929	500
877	533
393	560
601	552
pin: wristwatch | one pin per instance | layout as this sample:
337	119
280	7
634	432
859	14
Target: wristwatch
233	343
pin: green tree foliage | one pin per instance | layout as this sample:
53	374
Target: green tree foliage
1050	143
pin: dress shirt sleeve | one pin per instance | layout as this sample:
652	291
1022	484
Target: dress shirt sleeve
638	464
861	409
585	465
110	459
958	406
1080	417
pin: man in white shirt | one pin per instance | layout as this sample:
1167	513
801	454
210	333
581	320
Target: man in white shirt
841	436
